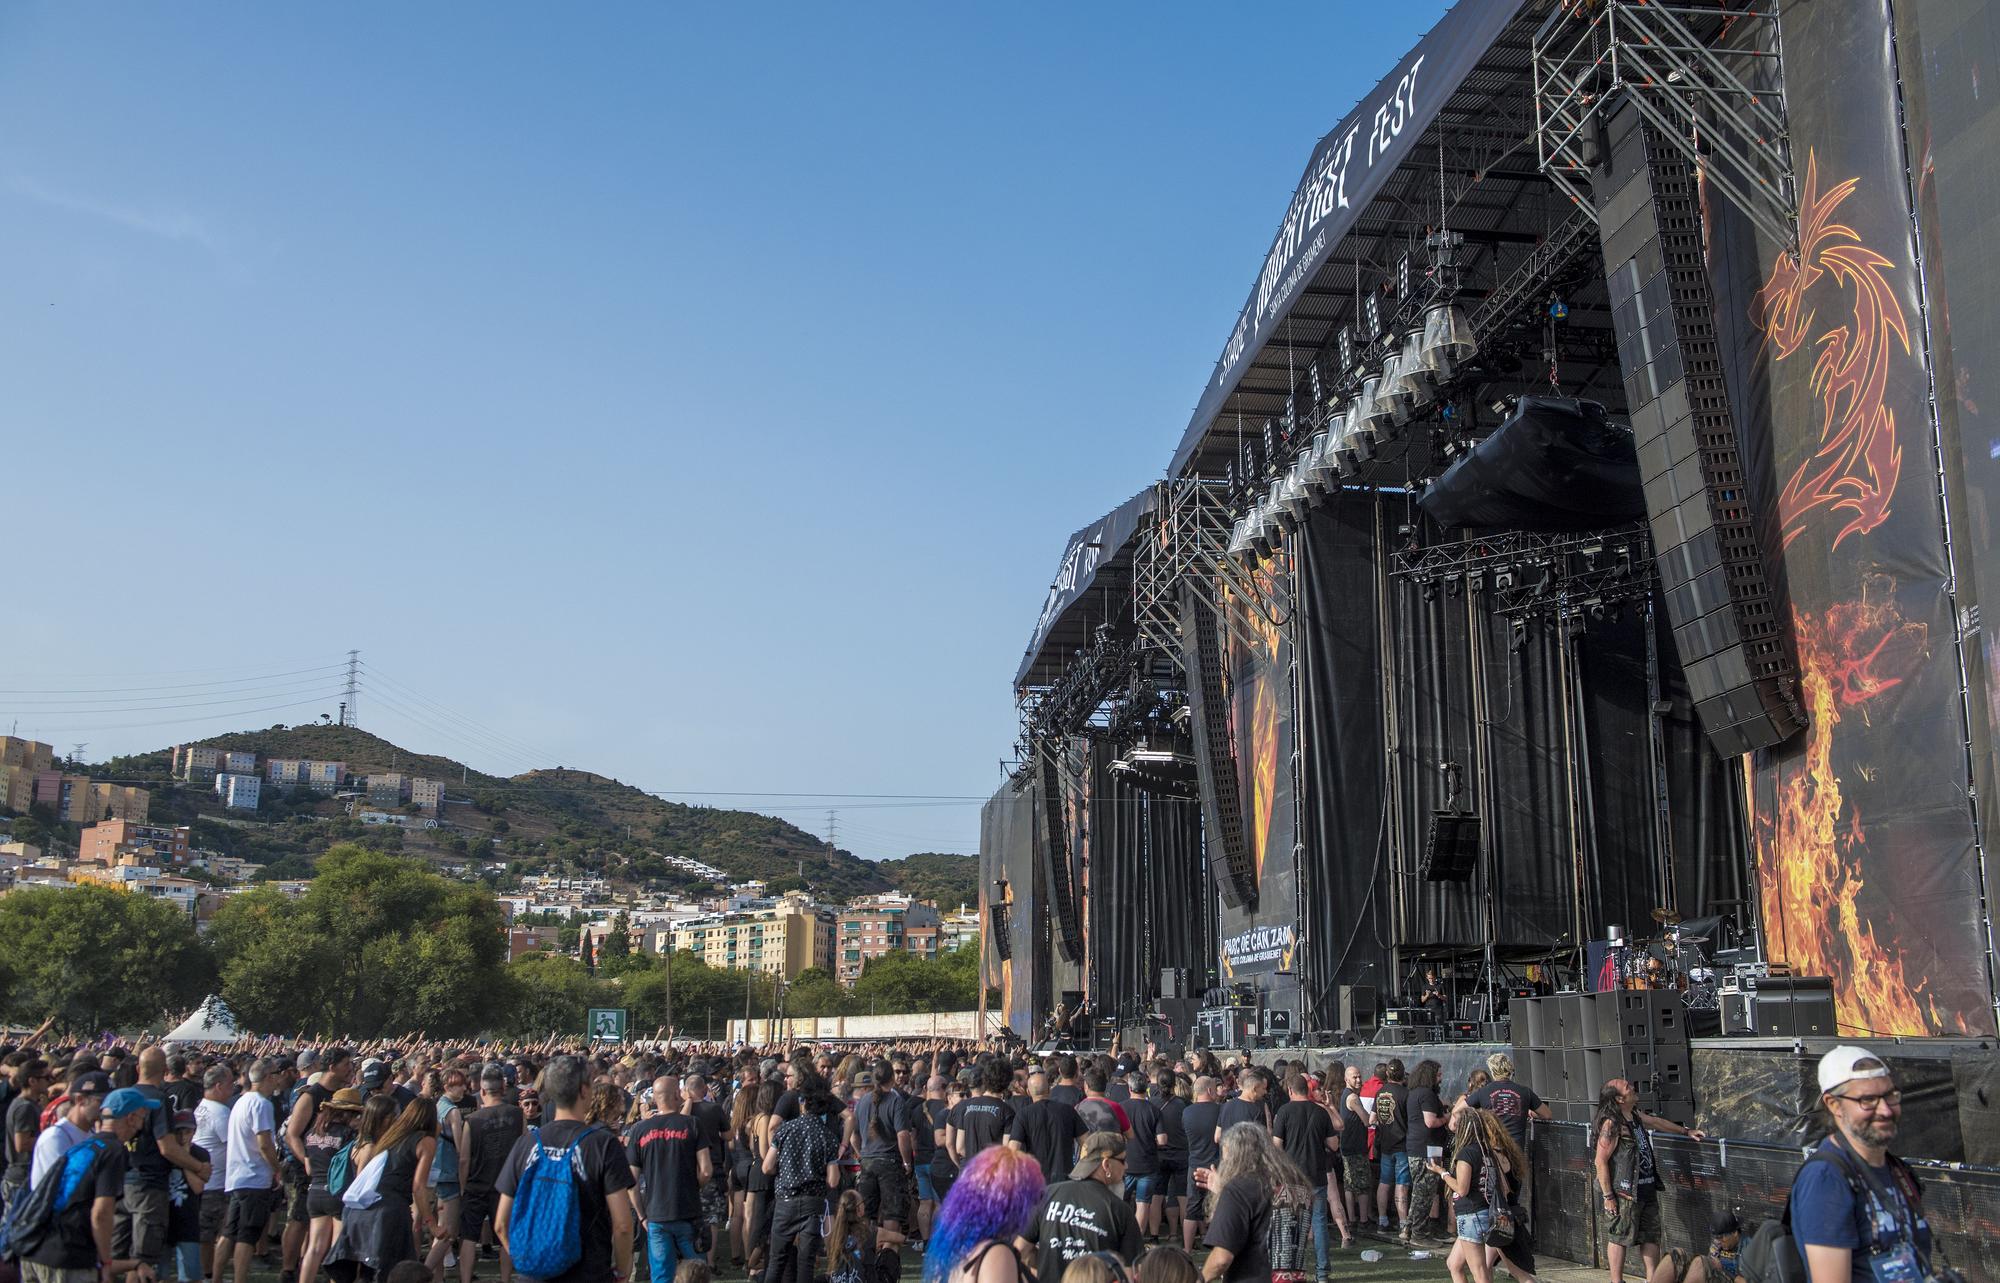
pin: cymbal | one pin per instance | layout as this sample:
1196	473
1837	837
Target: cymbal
1666	915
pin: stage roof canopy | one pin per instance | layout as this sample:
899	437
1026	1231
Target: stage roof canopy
1095	565
1456	114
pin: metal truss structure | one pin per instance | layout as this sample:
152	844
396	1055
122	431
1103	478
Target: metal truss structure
1708	77
1188	548
1526	575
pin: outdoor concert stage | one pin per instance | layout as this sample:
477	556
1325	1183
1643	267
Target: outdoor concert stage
1570	578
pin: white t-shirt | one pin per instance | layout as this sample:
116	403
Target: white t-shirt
211	1132
50	1147
250	1116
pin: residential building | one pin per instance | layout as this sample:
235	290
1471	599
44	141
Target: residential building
196	762
230	868
238	792
32	754
15	854
287	773
391	789
876	925
20	762
784	939
960	928
82	800
525	940
427	795
239	761
116	842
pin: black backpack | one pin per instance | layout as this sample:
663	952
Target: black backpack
1771	1255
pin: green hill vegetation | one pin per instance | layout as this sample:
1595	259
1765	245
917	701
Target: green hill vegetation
558	820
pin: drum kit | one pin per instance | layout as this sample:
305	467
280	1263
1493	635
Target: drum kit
1672	960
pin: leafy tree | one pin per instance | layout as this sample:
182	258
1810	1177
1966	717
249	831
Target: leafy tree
816	993
96	957
618	940
549	993
899	981
377	945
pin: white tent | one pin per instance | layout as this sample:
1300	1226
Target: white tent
212	1021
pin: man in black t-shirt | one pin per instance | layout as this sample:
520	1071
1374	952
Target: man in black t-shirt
712	1120
982	1120
923	1125
142	1218
1427	1131
670	1156
1392	1121
1198	1120
1084	1214
1046	1128
1142	1155
1172	1188
23	1125
1248	1105
1304	1131
490	1132
1510	1102
605	1212
879	1129
1067	1088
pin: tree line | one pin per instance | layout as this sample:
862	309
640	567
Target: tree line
380	946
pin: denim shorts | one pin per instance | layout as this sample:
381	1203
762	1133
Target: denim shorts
1141	1188
1396	1168
926	1192
1472	1226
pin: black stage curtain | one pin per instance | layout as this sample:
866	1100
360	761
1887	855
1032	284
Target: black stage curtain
1147	888
1562	777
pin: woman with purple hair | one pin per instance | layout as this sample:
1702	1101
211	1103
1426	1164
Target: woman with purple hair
988	1208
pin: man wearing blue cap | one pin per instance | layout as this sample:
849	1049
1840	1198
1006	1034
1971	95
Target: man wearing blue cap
82	1105
77	1247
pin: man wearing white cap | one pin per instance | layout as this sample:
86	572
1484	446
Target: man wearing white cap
1857	1210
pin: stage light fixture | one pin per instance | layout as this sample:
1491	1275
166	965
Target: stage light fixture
1392	400
1368	419
1448	339
1260	533
1412	379
1291	500
1239	537
1322	473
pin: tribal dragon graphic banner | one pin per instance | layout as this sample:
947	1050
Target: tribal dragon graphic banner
1860	827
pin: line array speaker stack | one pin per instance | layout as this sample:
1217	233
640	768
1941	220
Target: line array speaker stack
1713	573
1057	862
1568	1045
1221	801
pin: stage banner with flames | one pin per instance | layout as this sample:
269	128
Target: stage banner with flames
1862	837
1257	663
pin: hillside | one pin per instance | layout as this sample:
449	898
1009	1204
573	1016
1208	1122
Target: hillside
946	880
555	820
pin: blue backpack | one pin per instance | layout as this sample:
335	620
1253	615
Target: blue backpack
544	1227
32	1216
340	1170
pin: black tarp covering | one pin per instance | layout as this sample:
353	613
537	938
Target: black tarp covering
1562	774
1148	893
1555	463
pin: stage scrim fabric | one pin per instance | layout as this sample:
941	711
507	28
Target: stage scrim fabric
1560	732
1861	828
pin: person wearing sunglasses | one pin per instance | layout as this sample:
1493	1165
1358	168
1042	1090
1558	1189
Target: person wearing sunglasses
1857	1210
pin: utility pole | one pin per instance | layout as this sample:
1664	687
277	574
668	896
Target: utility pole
352	689
76	752
832	833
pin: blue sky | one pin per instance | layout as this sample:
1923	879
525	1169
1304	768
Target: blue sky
697	396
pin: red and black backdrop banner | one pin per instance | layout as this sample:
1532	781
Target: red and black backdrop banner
1257	665
1861	832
